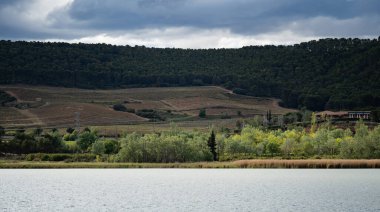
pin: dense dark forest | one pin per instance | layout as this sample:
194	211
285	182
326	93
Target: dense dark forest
324	74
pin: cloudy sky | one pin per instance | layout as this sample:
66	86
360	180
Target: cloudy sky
188	23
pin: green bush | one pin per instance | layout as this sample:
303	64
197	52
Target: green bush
58	157
202	113
83	158
71	136
61	157
71	147
150	114
86	139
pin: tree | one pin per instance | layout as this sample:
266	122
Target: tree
70	130
269	117
239	125
239	113
306	115
111	146
98	147
287	147
38	131
313	122
86	139
272	148
50	142
212	145
22	143
202	113
375	115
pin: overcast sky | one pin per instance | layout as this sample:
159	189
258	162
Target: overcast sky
188	23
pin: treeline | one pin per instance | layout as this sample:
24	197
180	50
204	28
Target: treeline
324	74
324	141
172	146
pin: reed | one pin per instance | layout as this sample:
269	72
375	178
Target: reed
267	163
320	163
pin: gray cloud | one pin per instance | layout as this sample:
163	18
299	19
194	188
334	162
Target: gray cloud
76	19
238	15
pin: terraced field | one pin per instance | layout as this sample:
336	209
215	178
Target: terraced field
62	107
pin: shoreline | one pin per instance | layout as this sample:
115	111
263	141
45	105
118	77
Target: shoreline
263	163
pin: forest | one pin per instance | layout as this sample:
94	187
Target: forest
325	74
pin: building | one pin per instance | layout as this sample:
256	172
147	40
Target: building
344	115
359	114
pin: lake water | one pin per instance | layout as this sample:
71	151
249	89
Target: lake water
189	190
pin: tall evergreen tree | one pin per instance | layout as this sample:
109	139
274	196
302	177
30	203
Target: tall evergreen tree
212	145
269	116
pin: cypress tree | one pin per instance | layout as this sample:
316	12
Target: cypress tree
212	145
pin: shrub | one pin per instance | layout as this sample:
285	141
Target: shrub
71	136
71	147
61	157
98	147
119	107
202	113
130	110
83	157
150	114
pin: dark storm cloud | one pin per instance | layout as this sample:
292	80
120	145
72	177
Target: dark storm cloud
340	9
241	16
235	15
9	2
71	19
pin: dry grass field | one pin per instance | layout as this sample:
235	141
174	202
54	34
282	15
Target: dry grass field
57	107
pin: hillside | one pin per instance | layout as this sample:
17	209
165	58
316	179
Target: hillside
65	107
324	74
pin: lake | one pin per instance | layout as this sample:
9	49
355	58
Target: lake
189	190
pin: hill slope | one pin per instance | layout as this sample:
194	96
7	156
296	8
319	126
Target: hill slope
63	107
324	74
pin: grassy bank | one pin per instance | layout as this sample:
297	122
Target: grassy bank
323	164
